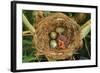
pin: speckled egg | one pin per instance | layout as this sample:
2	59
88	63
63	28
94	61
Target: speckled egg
53	43
53	35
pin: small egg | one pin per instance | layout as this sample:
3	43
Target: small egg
60	30
53	35
53	43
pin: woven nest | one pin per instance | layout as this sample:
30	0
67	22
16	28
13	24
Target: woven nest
72	34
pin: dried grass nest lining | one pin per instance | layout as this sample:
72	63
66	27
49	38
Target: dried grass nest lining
49	24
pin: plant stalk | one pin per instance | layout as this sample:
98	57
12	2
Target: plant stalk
85	29
27	24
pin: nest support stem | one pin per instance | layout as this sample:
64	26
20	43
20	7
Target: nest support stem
31	28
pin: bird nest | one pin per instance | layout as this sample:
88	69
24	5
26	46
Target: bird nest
70	38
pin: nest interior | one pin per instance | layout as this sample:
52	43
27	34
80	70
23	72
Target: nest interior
72	34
